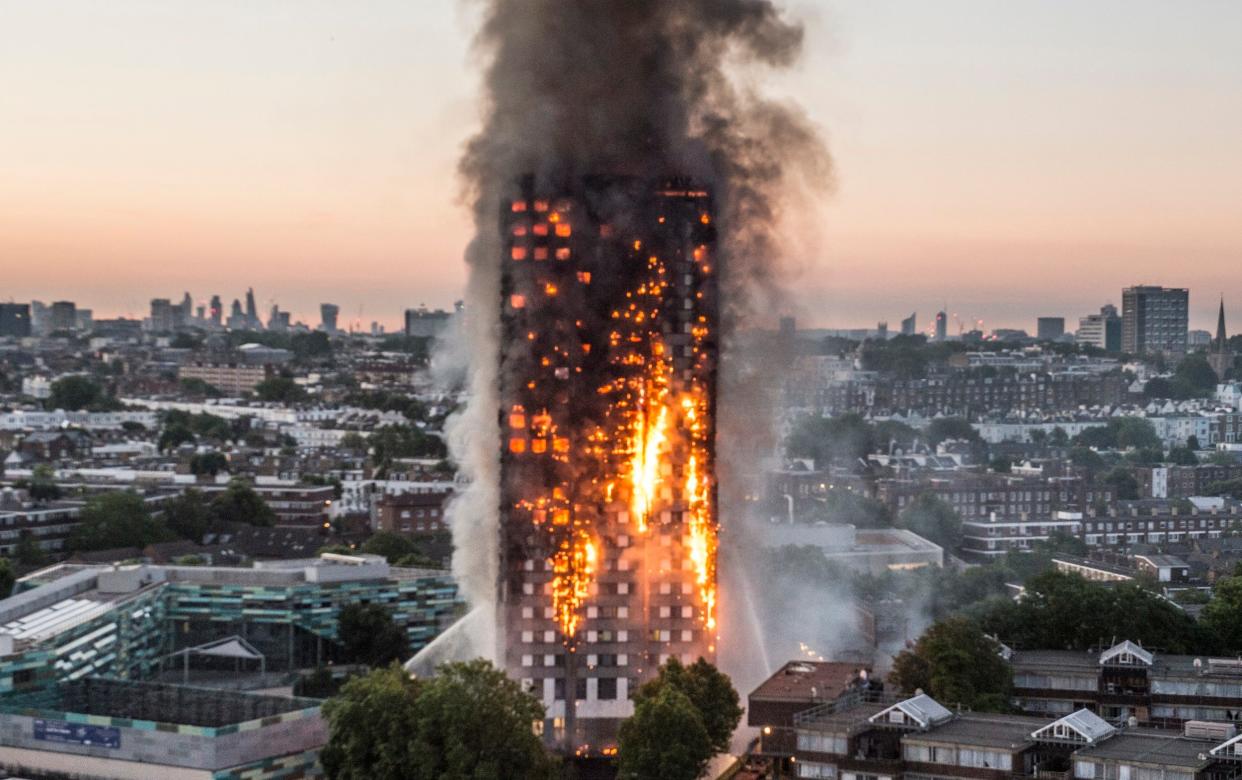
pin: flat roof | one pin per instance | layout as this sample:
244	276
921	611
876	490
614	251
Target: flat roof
180	705
796	680
1007	732
1147	746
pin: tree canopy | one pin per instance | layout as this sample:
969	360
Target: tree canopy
468	722
1065	611
955	663
239	503
1120	433
933	519
74	393
280	389
370	636
709	691
664	739
116	519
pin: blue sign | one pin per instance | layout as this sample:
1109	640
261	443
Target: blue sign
77	733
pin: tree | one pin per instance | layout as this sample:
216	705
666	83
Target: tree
173	436
116	519
199	388
310	345
73	393
43	485
280	389
1125	486
1222	617
370	636
474	723
402	441
932	519
190	515
1001	465
388	544
944	428
1183	456
238	503
29	552
8	578
1121	433
709	691
371	727
354	442
843	439
1066	612
208	464
664	739
1194	377
956	663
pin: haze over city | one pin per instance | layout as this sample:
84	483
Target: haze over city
1009	160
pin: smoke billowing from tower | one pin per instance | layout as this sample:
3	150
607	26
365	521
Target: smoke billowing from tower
625	196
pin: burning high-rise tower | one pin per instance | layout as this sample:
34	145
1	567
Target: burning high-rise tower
626	201
608	493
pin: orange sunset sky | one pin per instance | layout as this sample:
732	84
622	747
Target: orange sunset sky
1010	159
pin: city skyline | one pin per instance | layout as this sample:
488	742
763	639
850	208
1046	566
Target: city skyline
303	168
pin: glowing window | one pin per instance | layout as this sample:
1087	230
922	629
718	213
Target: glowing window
550	289
705	218
541	253
560	444
562	253
541	205
517	420
519	205
539	445
564	230
517	445
518	253
540	229
517	301
584	277
519	230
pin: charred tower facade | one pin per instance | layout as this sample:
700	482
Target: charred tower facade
607	481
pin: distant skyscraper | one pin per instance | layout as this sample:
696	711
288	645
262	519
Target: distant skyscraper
327	317
15	320
40	318
1101	330
64	316
424	323
252	313
184	312
1050	328
216	314
162	318
942	326
881	331
237	319
1155	320
910	325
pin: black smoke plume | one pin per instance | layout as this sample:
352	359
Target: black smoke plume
643	88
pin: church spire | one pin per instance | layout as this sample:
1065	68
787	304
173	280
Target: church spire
1220	327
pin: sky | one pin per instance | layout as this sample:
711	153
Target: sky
1004	159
